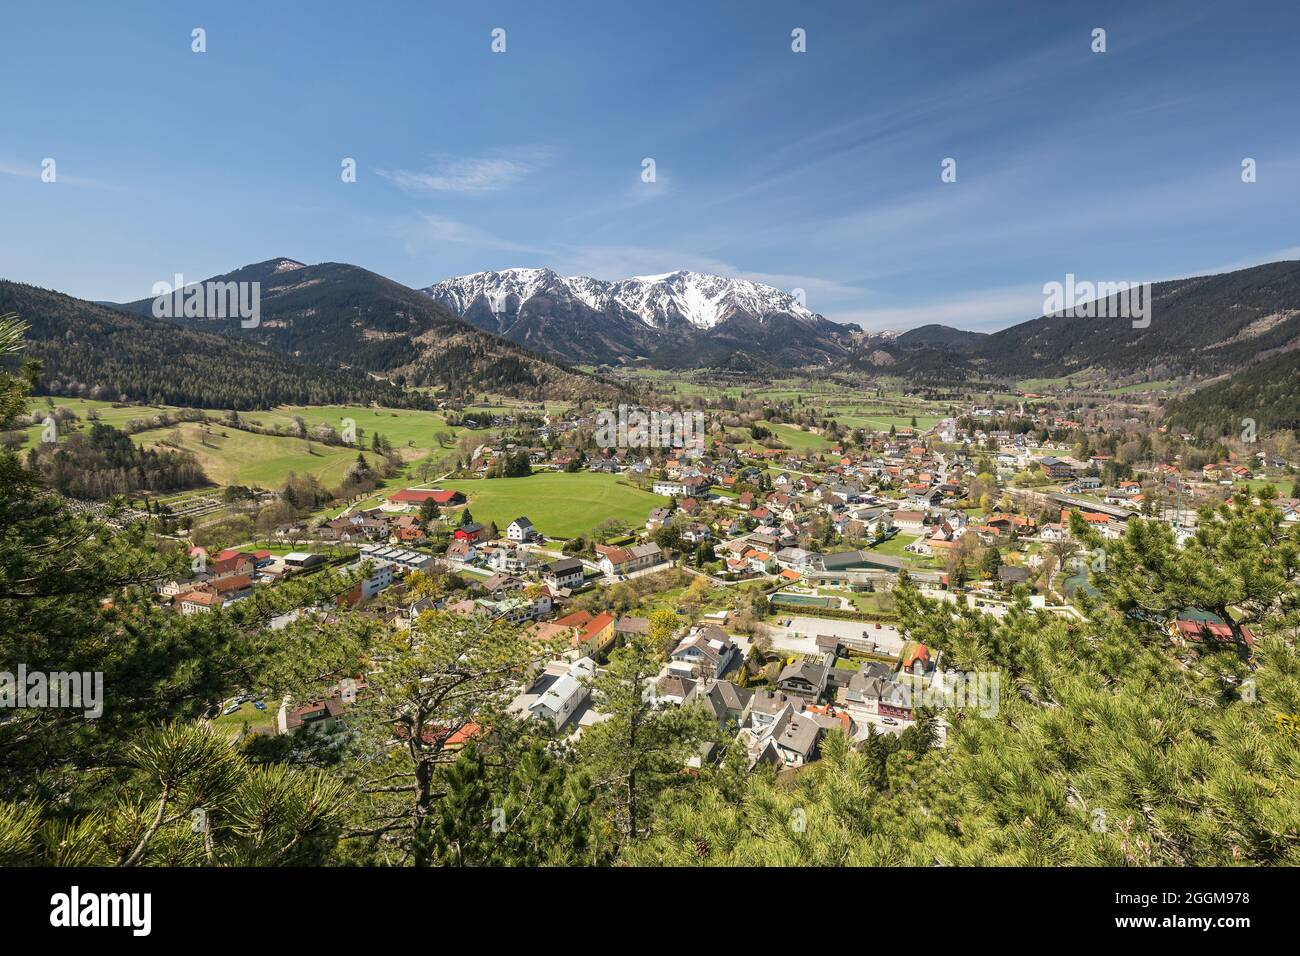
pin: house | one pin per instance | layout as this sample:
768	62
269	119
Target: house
1203	631
706	651
501	586
324	714
198	602
867	686
728	702
461	551
805	679
628	627
379	579
521	529
1056	468
918	660
473	532
766	706
669	489
617	562
1054	532
566	573
909	522
794	738
564	693
673	689
232	562
511	560
405	560
592	635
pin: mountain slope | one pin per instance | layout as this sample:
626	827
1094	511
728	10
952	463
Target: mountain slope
339	315
1199	326
1202	326
1267	393
98	352
678	318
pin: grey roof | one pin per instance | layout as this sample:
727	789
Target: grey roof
564	566
797	733
722	697
814	672
769	702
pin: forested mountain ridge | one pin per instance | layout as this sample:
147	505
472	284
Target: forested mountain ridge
338	315
92	351
1199	326
1267	393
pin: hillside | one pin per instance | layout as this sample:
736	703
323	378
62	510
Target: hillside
342	316
96	352
1268	392
1202	326
1199	326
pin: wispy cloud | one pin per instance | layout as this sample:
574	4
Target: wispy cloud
430	231
29	171
469	175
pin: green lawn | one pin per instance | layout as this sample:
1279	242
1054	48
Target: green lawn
560	505
406	429
247	714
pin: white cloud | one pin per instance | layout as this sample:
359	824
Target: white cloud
29	171
435	230
469	175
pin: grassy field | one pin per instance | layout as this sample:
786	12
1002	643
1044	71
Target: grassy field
797	439
560	505
233	457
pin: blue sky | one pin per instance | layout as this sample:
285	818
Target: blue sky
816	170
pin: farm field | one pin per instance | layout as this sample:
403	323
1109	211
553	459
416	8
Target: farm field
880	418
560	505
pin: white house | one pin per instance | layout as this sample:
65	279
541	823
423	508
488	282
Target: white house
564	573
521	529
670	489
565	694
380	578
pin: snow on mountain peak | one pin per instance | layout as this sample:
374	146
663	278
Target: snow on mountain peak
699	299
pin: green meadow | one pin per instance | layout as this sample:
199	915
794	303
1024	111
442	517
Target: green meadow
560	505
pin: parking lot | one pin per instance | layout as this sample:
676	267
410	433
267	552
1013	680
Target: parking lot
800	635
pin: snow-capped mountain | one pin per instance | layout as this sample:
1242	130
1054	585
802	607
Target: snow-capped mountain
675	318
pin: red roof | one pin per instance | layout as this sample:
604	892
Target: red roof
1199	630
415	496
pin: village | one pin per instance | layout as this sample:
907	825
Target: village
778	566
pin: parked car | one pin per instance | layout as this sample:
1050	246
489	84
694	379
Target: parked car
888	720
